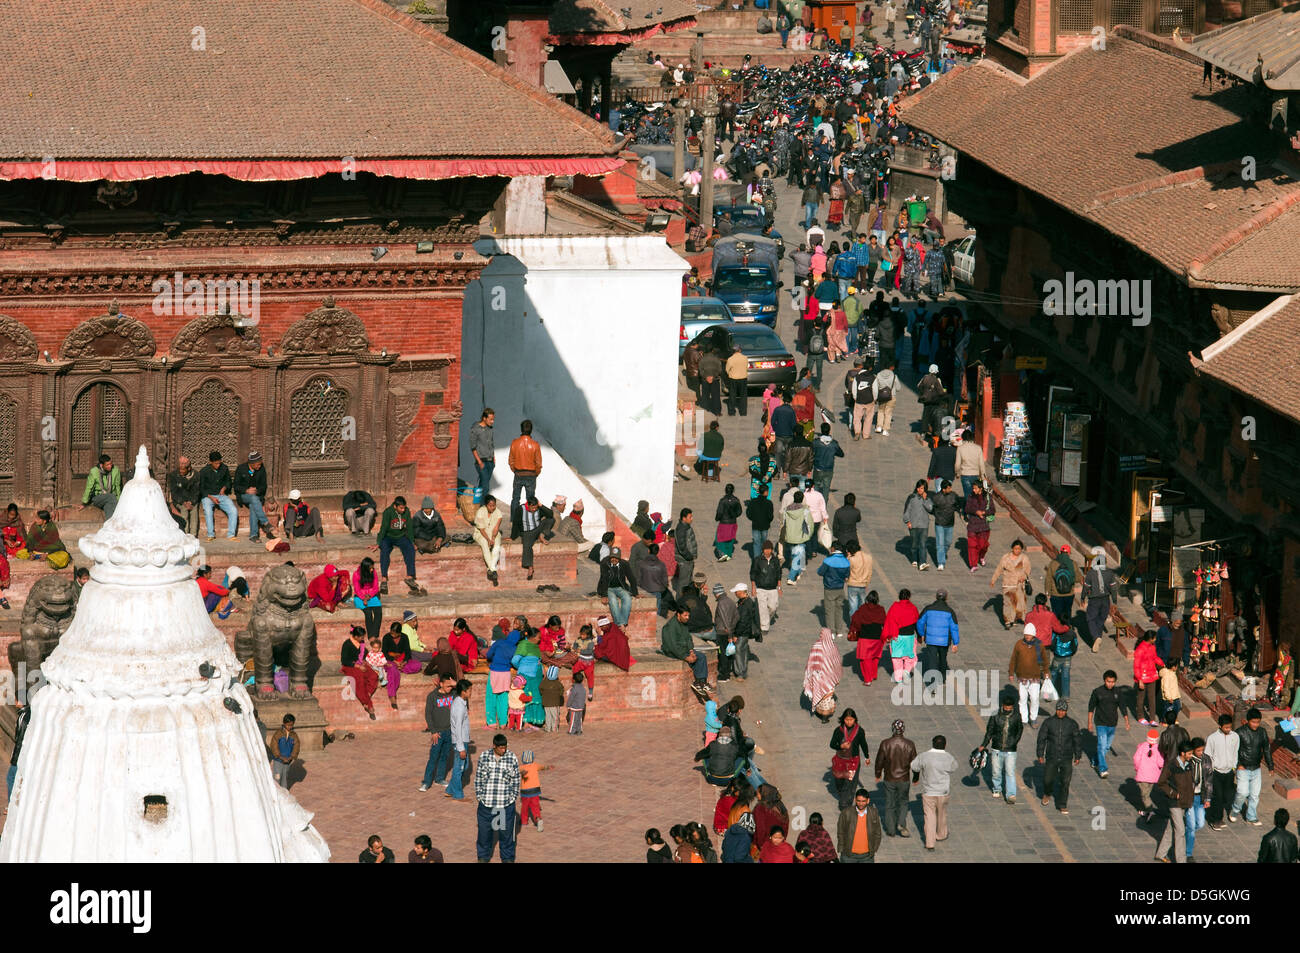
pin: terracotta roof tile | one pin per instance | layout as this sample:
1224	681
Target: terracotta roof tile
1106	133
1259	358
281	79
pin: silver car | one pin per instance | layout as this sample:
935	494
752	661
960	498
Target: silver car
699	313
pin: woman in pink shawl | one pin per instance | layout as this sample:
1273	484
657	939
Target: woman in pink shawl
821	676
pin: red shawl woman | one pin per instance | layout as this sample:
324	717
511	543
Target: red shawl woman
554	646
329	589
612	647
13	533
901	620
867	629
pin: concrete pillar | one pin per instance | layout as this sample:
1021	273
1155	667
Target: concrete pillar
708	147
521	208
584	94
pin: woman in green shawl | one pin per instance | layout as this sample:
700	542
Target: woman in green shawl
527	661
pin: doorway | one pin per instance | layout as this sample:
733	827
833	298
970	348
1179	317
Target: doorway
101	423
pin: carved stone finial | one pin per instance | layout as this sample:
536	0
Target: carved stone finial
328	301
114	309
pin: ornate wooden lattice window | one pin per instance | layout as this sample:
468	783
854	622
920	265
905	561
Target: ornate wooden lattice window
8	435
1128	12
317	447
1077	16
210	421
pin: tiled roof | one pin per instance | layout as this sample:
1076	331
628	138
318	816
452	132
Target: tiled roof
608	16
1122	136
1259	358
278	79
1266	45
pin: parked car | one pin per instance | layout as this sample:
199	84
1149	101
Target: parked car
963	260
770	361
749	220
699	313
745	276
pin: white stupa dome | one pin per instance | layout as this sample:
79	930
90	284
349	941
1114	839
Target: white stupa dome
142	744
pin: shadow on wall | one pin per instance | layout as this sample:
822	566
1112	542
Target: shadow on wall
509	362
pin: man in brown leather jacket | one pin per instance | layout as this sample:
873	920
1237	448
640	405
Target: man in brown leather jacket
893	761
526	463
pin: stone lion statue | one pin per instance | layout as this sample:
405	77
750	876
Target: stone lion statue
280	630
47	613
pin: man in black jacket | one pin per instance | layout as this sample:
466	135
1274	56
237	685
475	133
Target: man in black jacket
747	627
428	531
1253	749
1059	751
1279	845
759	511
765	573
687	550
844	522
214	492
617	586
183	494
945	504
652	577
250	490
1001	736
359	511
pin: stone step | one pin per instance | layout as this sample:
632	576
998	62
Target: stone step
654	688
436	616
457	568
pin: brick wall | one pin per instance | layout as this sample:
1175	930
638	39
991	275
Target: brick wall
426	324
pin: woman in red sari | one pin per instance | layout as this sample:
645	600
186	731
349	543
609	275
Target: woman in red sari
900	621
330	588
12	531
464	644
554	644
867	629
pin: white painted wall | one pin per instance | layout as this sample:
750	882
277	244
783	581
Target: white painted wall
582	340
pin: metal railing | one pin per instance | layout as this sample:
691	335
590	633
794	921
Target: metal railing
692	92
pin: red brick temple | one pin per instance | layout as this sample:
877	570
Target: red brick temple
335	198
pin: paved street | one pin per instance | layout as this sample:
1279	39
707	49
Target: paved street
1101	825
608	786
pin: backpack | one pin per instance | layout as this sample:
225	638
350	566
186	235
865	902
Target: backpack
884	394
1067	649
1063	578
932	393
817	343
594	555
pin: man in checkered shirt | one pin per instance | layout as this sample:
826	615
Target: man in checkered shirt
496	784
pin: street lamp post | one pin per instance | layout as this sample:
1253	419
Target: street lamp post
679	139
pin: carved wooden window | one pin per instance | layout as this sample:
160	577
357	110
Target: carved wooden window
100	424
8	434
1077	16
210	421
316	423
1129	12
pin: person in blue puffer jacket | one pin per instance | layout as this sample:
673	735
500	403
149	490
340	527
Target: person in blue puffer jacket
834	571
937	628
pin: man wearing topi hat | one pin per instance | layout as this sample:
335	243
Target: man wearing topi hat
570	526
1059	751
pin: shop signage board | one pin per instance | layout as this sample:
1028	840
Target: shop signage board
1031	363
1132	463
